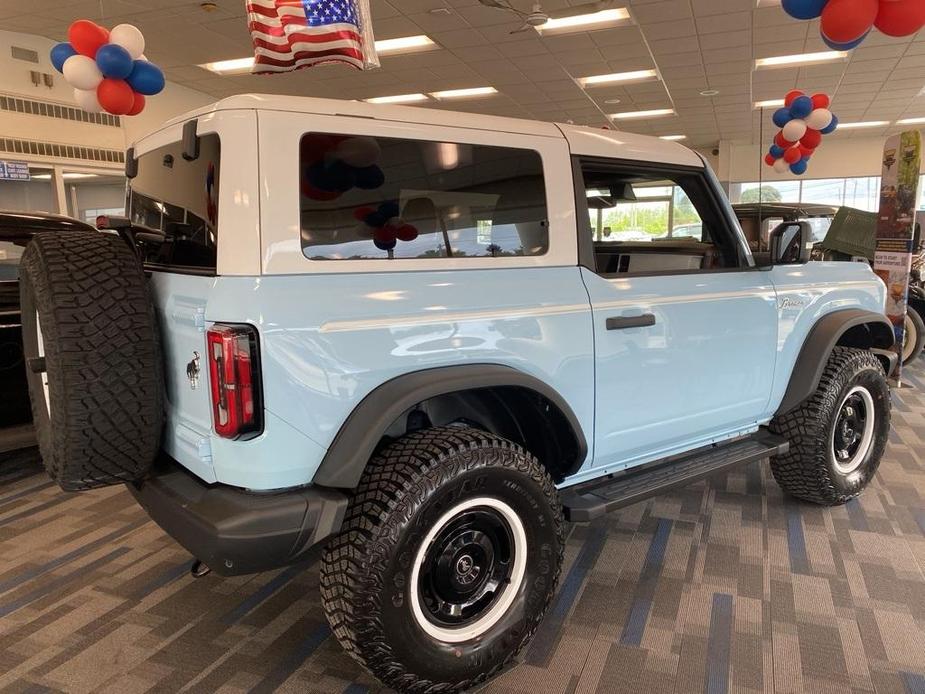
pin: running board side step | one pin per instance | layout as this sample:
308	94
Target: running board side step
587	501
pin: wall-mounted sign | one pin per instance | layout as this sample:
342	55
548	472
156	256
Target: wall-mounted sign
14	171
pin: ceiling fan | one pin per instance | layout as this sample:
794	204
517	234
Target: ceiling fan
537	17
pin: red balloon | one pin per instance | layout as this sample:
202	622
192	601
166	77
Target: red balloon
315	145
792	96
805	151
361	213
309	191
821	101
812	139
900	17
792	155
781	141
409	232
138	106
86	37
769	159
385	234
115	96
844	21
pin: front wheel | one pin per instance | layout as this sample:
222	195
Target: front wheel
913	336
448	558
838	436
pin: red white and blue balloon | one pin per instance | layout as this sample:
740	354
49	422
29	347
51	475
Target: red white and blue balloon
802	121
846	23
107	69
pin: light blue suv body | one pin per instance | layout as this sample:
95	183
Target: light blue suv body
601	357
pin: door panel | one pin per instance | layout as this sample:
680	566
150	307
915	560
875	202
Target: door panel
686	358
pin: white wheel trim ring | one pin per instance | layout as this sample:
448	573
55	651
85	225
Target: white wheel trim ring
40	344
908	344
867	438
497	610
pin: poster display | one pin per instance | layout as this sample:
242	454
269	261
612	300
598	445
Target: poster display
14	171
902	160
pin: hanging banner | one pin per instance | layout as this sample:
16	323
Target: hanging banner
899	184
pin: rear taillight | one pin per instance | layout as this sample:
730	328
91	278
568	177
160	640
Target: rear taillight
235	380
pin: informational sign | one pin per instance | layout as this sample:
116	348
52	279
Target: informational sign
902	161
14	171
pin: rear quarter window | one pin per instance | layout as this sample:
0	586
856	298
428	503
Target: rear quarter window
367	198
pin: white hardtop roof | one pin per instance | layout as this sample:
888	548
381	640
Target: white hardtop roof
582	140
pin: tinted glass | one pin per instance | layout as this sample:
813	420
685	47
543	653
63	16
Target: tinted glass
380	198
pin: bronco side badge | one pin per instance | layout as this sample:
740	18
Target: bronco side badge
192	371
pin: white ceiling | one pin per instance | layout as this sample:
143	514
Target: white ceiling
696	45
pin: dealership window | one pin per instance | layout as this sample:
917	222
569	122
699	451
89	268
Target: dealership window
862	193
371	198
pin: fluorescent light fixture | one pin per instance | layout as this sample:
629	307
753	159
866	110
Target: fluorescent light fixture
69	175
770	103
464	93
404	44
397	99
863	124
910	121
673	138
615	77
654	113
581	21
801	59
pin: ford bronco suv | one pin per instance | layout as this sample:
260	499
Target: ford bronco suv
408	341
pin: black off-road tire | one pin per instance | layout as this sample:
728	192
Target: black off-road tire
808	470
103	419
366	572
915	334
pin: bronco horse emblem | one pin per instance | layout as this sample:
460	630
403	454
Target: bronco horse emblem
192	371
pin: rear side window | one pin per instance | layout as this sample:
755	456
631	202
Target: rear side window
179	198
368	198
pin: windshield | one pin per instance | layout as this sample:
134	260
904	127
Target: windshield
180	198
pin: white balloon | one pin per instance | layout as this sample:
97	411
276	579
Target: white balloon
129	38
794	130
819	119
358	151
86	99
81	72
781	166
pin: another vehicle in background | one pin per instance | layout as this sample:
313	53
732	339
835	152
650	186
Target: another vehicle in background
16	230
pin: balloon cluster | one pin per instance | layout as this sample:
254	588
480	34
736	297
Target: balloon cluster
384	225
802	121
845	23
333	164
107	69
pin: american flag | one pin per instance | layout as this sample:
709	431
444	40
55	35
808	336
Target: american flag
293	34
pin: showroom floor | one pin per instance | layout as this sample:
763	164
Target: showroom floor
725	586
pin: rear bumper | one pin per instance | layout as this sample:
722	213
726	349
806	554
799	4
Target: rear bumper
237	532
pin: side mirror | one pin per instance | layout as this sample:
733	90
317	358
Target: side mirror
791	243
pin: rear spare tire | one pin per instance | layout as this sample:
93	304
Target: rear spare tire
93	359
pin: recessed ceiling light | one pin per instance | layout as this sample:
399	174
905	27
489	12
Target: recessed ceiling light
709	92
910	121
653	113
404	44
584	21
673	138
863	124
397	99
801	59
612	101
770	103
615	77
463	93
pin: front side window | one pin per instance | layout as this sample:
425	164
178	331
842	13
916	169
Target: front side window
372	198
180	199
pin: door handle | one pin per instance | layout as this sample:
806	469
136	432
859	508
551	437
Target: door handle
624	322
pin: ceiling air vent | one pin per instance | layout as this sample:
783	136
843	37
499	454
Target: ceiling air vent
53	149
52	110
24	54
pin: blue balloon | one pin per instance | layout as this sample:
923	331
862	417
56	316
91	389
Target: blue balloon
389	209
830	128
835	46
384	245
60	53
375	220
146	78
777	151
799	167
369	177
801	107
781	117
338	177
803	9
114	61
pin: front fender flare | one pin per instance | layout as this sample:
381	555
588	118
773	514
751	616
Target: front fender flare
358	437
